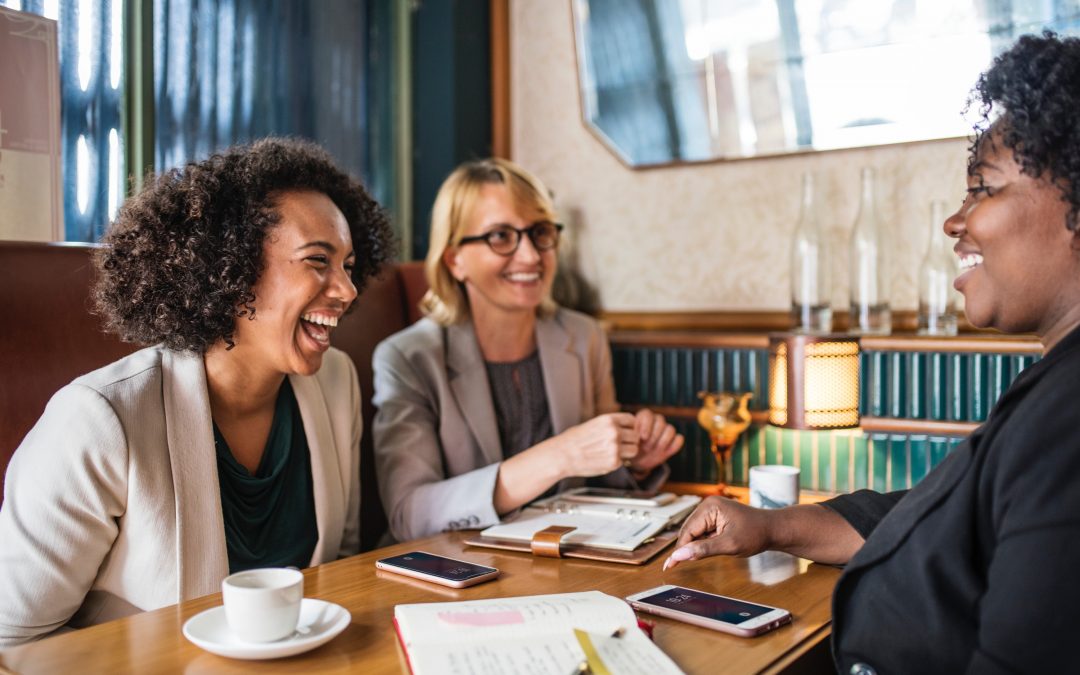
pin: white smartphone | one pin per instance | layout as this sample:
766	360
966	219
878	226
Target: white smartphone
438	569
708	610
616	496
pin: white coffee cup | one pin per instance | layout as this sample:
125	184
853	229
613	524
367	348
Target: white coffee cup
774	486
263	605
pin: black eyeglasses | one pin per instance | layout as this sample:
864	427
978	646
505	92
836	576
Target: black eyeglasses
504	239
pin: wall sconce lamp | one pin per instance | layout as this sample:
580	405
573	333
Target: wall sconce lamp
813	381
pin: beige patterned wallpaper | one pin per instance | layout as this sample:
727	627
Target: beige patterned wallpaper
705	237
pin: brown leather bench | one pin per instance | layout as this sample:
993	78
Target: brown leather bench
49	337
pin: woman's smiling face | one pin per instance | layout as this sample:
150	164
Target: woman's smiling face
504	284
1019	264
305	286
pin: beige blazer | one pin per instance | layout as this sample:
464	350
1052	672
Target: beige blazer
111	502
437	450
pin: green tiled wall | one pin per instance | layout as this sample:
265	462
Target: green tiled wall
674	376
830	461
953	387
956	387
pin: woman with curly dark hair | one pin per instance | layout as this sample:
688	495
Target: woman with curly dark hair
975	569
232	442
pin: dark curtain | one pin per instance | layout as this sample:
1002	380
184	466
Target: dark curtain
229	71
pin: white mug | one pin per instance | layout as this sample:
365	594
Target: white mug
263	605
774	486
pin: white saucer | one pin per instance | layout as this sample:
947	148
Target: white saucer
320	622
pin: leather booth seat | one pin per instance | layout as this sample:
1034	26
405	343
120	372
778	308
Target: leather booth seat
50	337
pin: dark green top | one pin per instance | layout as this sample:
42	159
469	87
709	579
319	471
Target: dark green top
270	516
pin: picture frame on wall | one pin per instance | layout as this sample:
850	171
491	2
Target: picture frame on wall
30	183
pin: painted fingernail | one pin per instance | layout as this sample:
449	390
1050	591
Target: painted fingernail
681	554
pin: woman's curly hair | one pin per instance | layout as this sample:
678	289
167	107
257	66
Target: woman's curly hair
180	261
1033	91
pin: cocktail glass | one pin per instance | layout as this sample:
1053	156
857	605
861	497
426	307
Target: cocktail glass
724	415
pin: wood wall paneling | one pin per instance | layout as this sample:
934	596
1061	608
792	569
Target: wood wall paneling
500	78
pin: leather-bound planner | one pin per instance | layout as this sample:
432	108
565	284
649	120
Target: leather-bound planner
606	532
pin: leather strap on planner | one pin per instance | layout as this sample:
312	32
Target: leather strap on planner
547	542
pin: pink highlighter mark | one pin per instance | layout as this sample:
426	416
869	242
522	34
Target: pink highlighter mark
482	618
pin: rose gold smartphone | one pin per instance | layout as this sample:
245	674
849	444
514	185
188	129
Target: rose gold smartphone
438	569
708	610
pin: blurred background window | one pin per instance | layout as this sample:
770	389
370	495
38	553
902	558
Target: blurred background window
224	72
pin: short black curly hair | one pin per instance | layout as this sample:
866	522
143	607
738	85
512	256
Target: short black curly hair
179	263
1031	96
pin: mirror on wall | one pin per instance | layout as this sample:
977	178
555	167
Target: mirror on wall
666	81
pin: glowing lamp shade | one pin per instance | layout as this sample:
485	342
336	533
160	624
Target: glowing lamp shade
813	381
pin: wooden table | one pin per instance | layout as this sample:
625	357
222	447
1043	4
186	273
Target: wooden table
152	642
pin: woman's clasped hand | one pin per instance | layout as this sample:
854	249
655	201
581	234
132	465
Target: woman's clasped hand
640	442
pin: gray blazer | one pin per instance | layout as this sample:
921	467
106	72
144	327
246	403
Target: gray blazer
437	450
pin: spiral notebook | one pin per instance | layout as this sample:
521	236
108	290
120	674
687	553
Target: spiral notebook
558	633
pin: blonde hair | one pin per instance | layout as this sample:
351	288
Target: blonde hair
445	301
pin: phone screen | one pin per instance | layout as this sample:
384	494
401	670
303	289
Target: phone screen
706	605
447	568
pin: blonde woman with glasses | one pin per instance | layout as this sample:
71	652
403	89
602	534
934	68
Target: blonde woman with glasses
499	396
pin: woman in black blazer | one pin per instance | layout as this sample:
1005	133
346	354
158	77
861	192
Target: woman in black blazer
976	569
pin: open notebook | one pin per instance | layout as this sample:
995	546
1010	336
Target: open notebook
530	634
602	526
